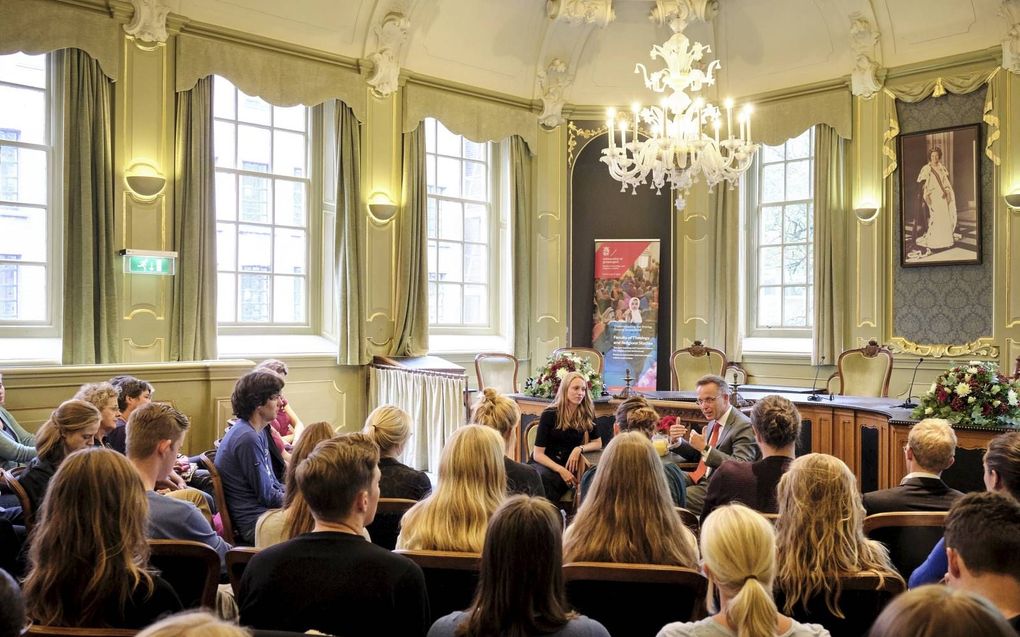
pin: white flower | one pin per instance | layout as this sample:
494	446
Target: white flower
996	403
966	378
929	411
931	390
1011	397
972	370
974	363
995	388
971	399
962	389
561	372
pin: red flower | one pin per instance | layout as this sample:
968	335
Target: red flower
666	422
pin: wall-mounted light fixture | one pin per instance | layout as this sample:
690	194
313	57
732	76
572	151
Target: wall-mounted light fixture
1013	200
382	207
866	213
144	180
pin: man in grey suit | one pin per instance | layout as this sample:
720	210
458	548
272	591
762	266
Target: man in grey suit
727	436
930	450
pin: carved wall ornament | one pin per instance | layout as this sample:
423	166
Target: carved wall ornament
981	347
391	35
863	40
552	83
148	24
684	10
1010	11
573	132
597	12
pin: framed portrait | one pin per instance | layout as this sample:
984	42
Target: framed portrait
940	197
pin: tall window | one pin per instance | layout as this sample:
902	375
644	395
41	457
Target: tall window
462	231
262	191
27	270
781	236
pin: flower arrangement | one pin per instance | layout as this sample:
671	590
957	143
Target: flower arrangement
547	382
665	423
973	394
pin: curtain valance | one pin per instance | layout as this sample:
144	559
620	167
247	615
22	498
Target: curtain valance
42	26
776	120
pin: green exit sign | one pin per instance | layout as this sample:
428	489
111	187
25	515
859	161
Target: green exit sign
152	265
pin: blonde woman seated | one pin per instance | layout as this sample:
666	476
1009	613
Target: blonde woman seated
821	536
628	516
390	428
492	409
472	485
520	596
564	432
104	396
276	525
940	611
193	624
738	556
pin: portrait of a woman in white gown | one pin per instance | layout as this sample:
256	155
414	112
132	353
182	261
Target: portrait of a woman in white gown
940	202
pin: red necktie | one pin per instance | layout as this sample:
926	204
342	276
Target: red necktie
702	469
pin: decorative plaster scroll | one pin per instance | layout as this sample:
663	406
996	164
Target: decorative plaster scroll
863	40
980	347
1010	11
573	132
148	24
597	12
552	82
391	34
685	11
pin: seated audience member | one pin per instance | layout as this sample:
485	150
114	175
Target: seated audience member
630	416
930	450
332	579
17	446
940	611
565	431
628	515
495	410
821	534
286	427
133	394
390	428
104	397
155	433
727	436
72	426
193	624
277	525
738	553
249	484
89	556
12	619
983	548
776	425
518	596
472	485
1001	475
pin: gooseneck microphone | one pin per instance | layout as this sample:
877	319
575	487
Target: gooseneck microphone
814	385
908	403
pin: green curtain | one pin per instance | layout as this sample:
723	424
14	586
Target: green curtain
830	272
193	309
349	240
91	329
724	273
411	329
521	205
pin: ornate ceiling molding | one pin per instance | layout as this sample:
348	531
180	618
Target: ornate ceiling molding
553	81
148	24
391	34
1010	11
864	38
597	12
684	10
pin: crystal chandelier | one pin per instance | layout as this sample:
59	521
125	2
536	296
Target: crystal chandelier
676	147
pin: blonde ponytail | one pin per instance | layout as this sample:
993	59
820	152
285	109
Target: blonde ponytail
389	427
752	611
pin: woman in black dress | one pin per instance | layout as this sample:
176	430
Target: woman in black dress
563	432
495	410
390	428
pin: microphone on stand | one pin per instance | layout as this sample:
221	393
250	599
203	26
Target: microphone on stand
908	403
814	385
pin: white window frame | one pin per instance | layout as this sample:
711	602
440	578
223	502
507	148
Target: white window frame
756	335
51	326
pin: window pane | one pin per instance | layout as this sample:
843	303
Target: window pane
23	294
475	180
771	154
772	183
770	307
224	95
226	306
796	227
226	246
770	270
476	264
771	225
290	202
290	251
20	68
432	217
253	148
430	174
289	154
226	196
432	303
447	143
23	234
289	299
254	248
430	135
798	180
293	118
223	144
451	220
23	110
476	305
795	306
451	261
476	222
254	305
799	147
253	109
474	150
254	199
794	264
447	176
448	304
433	257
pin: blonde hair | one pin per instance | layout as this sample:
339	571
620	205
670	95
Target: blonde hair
472	485
193	624
568	417
933	443
495	410
628	515
820	529
388	426
298	518
738	546
71	417
98	393
940	611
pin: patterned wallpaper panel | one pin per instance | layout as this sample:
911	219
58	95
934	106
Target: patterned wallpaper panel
947	303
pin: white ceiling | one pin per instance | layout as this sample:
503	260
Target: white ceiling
499	45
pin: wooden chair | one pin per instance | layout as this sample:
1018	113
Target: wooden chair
59	631
689	520
595	357
909	536
635	599
208	459
450	578
497	370
1016	370
864	371
689	364
237	560
11	484
191	568
386	526
862	599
